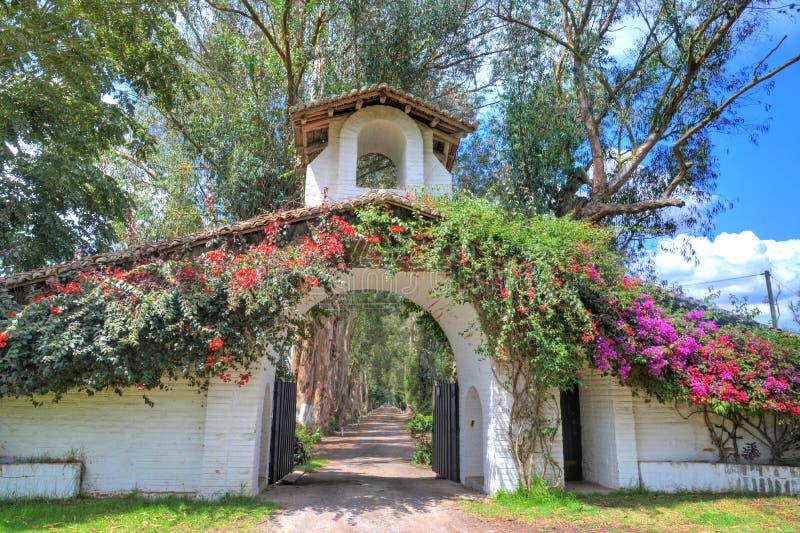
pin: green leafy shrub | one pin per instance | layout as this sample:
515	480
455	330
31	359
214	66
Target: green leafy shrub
308	439
420	428
333	425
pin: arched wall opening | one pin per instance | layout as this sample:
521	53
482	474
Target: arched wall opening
379	130
387	139
460	324
362	350
474	438
376	171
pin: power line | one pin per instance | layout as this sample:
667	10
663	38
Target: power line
782	283
719	280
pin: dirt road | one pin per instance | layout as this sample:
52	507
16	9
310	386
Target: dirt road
371	485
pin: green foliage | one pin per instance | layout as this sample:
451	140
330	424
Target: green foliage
214	315
587	130
60	63
334	426
420	428
309	440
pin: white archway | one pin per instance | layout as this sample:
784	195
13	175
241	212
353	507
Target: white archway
460	324
233	412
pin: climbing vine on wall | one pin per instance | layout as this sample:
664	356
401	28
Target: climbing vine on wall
551	295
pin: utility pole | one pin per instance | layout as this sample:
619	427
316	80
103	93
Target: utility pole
772	309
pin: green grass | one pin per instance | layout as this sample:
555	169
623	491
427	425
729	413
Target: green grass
134	513
314	465
642	511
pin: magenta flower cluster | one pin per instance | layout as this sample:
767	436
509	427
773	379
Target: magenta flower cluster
684	352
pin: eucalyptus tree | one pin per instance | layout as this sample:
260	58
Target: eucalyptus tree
618	136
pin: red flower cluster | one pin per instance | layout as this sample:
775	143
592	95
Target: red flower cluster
343	226
216	344
3	339
244	379
243	279
216	256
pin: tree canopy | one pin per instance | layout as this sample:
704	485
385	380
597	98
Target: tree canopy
72	73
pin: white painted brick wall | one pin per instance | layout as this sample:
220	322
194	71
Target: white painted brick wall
124	444
664	435
232	444
597	426
608	433
675	476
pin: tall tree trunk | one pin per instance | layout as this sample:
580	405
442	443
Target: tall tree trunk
326	387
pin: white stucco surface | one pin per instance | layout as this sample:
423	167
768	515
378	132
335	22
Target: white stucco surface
377	129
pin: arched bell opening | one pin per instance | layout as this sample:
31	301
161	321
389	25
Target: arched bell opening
376	171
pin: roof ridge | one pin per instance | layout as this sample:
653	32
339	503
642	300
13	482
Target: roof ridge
367	88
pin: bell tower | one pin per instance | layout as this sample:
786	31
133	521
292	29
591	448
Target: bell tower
375	138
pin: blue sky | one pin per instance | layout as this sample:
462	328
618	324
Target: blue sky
762	229
762	179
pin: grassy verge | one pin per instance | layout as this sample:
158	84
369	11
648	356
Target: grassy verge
314	465
642	511
134	513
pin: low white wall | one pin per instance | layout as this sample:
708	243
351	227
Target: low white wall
674	476
608	432
124	444
662	434
40	480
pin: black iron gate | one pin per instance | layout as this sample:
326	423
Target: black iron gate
445	431
281	447
571	434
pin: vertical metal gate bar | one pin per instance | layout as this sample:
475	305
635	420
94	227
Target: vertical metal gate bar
446	431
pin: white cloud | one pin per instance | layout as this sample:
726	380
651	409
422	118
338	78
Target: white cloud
735	255
626	36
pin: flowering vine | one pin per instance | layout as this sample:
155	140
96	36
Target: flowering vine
551	295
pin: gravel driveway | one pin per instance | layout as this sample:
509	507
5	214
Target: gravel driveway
371	485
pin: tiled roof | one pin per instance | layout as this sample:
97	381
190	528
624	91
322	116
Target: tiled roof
389	90
193	240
